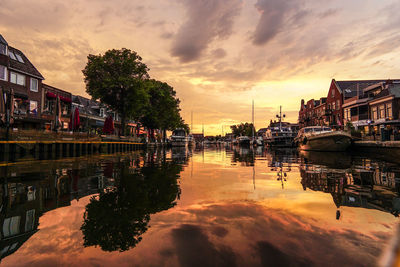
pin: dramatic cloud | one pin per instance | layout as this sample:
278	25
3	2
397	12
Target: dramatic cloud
206	20
274	16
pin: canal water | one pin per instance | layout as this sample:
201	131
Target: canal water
215	206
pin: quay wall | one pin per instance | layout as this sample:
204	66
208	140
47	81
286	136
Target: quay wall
11	150
388	150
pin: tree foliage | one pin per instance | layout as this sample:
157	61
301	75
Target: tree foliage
243	129
120	79
117	79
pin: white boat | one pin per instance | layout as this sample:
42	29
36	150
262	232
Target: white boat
322	138
179	138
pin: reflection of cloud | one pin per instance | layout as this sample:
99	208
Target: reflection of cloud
205	22
220	234
195	249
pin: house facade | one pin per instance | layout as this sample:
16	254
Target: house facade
48	108
20	82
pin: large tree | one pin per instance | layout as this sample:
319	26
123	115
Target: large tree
117	79
162	110
243	129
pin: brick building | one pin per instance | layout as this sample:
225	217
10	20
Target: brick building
18	76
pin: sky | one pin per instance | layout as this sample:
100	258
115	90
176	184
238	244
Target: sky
219	55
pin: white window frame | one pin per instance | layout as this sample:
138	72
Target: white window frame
17	76
30	106
37	85
11	226
5	73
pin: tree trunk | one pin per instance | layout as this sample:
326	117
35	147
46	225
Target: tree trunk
123	121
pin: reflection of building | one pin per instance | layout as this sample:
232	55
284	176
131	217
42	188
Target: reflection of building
370	188
27	192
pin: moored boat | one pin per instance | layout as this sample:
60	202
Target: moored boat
179	138
322	138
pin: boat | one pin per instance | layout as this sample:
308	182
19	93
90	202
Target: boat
244	140
179	138
322	138
279	133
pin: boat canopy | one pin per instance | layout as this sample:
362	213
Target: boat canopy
179	132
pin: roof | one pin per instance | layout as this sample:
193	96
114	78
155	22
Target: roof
2	40
46	86
350	87
26	67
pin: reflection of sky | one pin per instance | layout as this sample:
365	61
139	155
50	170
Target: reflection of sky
222	220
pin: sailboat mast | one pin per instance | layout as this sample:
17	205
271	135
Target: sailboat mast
252	119
280	117
191	119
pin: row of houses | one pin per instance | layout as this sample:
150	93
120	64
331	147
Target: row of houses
35	102
369	105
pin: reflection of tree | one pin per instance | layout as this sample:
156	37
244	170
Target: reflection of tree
116	219
243	155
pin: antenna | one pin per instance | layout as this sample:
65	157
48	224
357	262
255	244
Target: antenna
252	119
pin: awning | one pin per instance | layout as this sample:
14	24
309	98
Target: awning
51	95
65	99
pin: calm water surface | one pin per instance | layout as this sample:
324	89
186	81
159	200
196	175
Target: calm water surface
206	207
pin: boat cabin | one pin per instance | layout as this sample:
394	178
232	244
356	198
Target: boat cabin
314	129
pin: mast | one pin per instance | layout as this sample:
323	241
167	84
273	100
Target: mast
280	117
191	117
252	119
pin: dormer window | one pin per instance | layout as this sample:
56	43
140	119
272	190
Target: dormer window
19	58
12	56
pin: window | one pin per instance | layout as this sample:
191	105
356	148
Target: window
382	111
102	113
337	104
11	226
3	73
19	58
389	113
33	107
30	220
347	114
333	93
34	85
3	49
17	78
374	114
333	106
12	56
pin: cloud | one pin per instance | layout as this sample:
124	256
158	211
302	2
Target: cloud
206	21
274	15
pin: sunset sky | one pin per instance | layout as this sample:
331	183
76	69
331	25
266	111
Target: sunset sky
217	54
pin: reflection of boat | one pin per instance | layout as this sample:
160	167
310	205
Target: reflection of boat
191	141
322	138
179	138
244	140
338	160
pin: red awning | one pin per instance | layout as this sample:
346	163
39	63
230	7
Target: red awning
51	95
65	99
